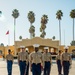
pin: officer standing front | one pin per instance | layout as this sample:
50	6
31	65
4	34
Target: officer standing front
47	61
22	60
66	61
59	62
9	59
35	61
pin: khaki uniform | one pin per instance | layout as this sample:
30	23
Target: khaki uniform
23	62
59	64
47	57
47	63
66	59
35	57
35	63
23	56
9	59
59	57
27	70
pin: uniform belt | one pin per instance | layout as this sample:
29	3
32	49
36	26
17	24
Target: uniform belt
22	61
36	63
59	59
47	61
66	60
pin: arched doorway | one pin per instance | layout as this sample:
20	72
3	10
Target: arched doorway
0	52
73	53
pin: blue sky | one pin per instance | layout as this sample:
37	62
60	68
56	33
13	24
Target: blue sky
39	7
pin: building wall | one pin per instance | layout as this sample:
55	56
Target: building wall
28	43
2	49
5	50
37	40
31	49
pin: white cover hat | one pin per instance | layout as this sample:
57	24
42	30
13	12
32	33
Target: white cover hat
26	49
46	48
36	45
22	46
66	47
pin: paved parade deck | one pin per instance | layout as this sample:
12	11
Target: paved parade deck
3	69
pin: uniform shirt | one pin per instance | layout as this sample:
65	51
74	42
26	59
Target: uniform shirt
9	57
35	57
23	56
66	57
47	57
59	57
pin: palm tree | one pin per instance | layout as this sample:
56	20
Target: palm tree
15	15
43	34
53	37
20	37
31	18
2	44
32	30
44	20
0	13
59	14
72	43
72	15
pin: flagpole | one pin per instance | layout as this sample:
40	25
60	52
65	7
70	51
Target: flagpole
9	40
7	33
64	37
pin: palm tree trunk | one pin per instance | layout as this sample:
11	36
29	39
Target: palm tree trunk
73	29
44	31
31	34
59	33
64	37
14	34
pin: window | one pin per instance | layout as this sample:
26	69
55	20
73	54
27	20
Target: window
0	51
